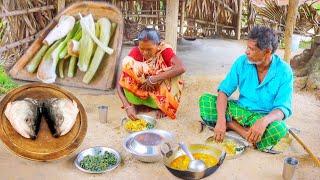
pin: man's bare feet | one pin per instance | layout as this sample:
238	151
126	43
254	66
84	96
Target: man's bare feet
235	126
160	114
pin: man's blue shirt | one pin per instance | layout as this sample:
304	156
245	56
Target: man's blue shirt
274	92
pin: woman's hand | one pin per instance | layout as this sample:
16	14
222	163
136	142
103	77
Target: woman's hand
131	112
149	85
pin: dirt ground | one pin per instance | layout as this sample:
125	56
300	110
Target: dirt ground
207	62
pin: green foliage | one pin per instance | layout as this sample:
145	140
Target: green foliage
305	44
317	7
302	44
6	83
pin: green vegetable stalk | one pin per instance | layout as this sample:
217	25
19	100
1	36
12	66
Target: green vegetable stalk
35	61
56	53
86	43
105	35
45	72
72	34
72	66
61	68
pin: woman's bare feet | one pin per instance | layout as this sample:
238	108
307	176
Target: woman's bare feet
146	109
143	109
160	114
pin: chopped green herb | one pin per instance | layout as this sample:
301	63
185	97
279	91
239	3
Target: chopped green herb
99	162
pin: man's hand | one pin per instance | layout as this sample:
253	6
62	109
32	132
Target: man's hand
219	131
256	131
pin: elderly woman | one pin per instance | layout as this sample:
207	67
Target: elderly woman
150	77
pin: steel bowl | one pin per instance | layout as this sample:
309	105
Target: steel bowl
145	145
171	154
97	150
147	118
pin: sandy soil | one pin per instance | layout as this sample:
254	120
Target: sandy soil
251	165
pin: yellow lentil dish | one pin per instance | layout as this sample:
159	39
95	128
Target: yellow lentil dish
137	125
182	162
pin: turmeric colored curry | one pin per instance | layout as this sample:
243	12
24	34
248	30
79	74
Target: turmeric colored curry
182	162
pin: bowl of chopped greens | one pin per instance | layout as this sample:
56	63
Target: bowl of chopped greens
97	160
144	122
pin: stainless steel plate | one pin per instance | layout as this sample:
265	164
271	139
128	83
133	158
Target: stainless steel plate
240	146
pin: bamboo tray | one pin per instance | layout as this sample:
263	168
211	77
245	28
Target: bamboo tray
45	147
104	78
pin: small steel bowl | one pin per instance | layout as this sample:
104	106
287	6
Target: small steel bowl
147	118
97	150
145	145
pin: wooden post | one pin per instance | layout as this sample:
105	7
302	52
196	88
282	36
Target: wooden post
61	5
239	16
172	10
183	8
290	24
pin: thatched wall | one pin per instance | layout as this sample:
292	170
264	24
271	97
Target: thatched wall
203	19
18	28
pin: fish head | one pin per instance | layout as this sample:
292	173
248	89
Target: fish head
21	116
69	111
30	127
57	125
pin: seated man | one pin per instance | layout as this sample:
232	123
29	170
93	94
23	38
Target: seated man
265	85
150	77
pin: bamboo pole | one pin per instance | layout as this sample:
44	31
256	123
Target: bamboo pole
26	11
226	6
305	147
238	30
183	8
172	10
61	5
290	24
17	43
211	23
146	15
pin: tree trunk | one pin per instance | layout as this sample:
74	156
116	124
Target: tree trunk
307	68
290	23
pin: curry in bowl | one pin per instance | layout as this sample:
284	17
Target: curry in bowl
182	162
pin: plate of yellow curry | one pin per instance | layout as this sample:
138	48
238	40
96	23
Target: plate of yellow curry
144	122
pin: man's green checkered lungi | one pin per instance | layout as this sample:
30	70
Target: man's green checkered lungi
208	112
